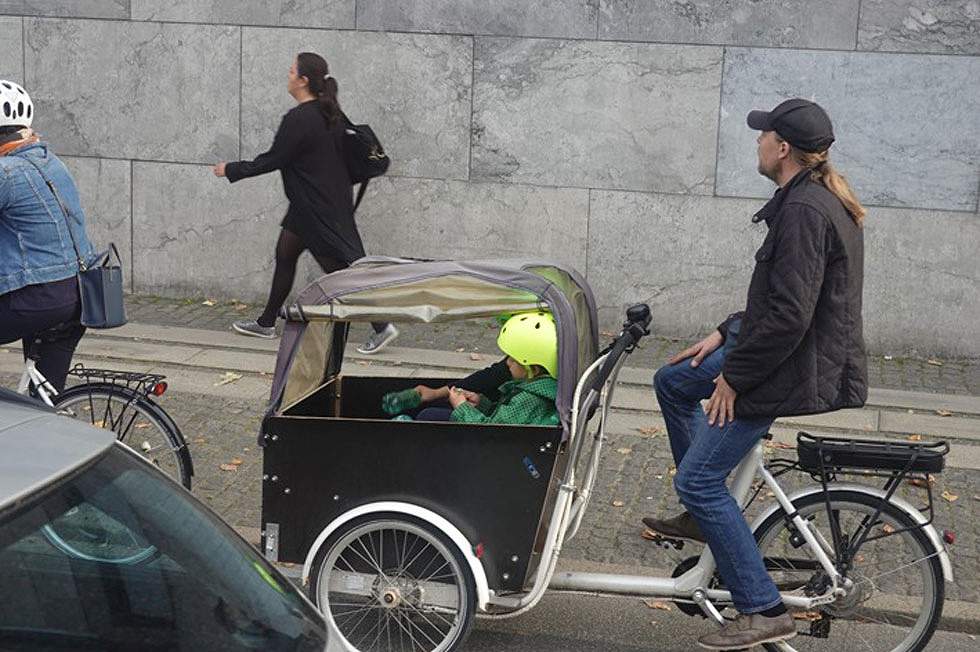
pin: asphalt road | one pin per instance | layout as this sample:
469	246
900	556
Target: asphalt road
588	623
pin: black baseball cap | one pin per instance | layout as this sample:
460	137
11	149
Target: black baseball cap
801	123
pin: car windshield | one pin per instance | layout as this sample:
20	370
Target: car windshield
117	557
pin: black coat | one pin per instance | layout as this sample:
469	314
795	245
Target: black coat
800	347
310	157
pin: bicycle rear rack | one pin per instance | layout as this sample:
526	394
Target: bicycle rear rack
142	383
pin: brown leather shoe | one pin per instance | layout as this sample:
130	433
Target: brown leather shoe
682	526
749	630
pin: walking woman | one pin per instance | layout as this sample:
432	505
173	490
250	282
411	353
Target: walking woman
308	152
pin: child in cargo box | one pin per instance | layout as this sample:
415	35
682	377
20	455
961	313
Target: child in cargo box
527	396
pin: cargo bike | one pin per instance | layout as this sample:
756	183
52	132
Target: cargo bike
408	530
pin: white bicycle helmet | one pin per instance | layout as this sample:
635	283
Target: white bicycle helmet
16	108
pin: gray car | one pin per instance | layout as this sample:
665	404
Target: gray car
101	551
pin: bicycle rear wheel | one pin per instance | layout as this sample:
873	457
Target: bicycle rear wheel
898	587
137	421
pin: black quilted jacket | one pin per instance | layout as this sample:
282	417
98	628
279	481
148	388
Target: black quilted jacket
800	348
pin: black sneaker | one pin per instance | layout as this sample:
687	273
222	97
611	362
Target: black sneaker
254	329
378	341
682	526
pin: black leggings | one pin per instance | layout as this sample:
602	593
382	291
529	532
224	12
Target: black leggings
54	349
288	250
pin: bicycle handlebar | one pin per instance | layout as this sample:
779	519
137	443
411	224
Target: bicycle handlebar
635	328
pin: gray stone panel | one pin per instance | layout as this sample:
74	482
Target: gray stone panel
104	187
298	13
907	126
689	257
943	26
413	89
67	8
197	234
147	91
556	18
597	115
12	49
780	23
921	282
451	219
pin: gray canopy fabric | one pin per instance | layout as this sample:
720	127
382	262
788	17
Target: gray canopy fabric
402	290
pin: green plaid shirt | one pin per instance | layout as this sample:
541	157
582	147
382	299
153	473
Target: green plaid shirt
529	402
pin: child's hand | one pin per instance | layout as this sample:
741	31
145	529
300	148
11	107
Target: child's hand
471	397
456	397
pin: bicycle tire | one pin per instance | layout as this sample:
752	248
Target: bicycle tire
930	569
130	405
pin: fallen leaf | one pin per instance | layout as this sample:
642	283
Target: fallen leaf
944	413
976	498
607	333
460	349
208	302
141	425
363	363
228	467
918	482
672	471
808	616
648	430
618	503
659	477
779	444
950	497
228	377
887	529
200	440
476	356
915	437
657	604
624	451
889	358
237	461
934	362
241	306
245	449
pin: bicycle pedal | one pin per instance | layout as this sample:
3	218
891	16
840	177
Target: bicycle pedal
666	543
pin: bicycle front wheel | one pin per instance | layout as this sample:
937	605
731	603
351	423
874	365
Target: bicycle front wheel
138	422
898	589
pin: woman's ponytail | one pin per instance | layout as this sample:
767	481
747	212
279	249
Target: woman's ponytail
322	84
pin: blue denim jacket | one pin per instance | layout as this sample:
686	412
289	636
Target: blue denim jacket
35	244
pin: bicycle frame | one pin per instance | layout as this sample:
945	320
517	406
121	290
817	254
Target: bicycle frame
692	586
32	376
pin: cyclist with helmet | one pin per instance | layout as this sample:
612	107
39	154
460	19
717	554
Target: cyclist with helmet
40	246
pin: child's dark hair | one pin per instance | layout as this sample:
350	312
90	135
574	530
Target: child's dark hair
317	73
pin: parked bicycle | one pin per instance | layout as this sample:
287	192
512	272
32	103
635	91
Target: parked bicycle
120	401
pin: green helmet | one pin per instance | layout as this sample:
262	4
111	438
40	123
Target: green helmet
531	338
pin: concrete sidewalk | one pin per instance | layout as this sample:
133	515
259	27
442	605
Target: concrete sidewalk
220	413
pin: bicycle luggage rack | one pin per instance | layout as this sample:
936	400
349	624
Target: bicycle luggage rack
824	458
142	383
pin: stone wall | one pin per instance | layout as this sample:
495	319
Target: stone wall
608	134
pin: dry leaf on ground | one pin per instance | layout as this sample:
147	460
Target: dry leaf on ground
672	471
887	529
658	604
208	302
228	467
618	503
944	413
648	430
624	451
237	461
228	377
889	357
779	444
950	497
934	362
915	437
460	349
200	440
607	333
241	306
141	425
476	356
363	363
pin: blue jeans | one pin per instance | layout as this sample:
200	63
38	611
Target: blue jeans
705	456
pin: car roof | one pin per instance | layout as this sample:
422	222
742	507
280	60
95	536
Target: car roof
39	446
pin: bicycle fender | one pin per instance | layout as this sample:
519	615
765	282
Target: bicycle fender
444	526
901	503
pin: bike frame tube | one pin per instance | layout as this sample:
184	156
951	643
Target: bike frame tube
43	388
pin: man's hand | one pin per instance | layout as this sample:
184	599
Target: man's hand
721	405
697	352
219	169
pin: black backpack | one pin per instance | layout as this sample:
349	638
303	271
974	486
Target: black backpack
364	156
